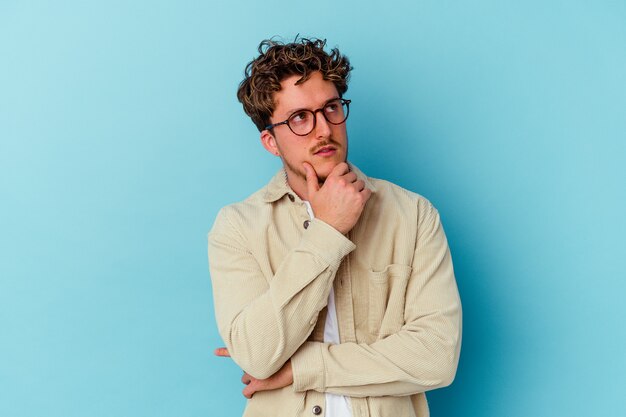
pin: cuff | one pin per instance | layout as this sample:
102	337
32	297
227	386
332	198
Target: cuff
324	240
307	365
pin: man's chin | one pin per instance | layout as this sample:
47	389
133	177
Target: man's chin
324	171
321	176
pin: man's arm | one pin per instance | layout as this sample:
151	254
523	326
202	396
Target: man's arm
423	355
263	322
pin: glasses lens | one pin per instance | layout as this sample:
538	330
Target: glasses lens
302	122
336	112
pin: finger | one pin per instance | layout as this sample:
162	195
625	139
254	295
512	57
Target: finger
339	169
359	185
222	352
246	379
367	193
248	391
350	177
312	182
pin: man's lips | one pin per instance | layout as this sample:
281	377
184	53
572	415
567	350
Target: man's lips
325	149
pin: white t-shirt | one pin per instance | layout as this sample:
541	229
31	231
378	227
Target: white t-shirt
336	405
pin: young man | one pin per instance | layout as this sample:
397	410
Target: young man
334	292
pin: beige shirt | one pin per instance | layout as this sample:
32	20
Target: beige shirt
397	303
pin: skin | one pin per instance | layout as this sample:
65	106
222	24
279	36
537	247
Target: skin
280	379
335	194
292	149
323	178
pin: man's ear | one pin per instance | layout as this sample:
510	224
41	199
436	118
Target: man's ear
269	142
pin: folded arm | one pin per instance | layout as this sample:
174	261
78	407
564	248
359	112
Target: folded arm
263	319
422	355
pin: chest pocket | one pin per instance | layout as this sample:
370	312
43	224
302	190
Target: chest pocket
387	295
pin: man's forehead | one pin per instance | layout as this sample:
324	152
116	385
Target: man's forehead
312	93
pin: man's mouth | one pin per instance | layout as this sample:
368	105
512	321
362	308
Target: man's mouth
325	150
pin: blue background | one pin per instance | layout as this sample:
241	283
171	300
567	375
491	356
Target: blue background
121	137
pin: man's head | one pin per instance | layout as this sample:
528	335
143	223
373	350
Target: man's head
284	81
277	61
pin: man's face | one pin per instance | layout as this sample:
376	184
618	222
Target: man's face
324	148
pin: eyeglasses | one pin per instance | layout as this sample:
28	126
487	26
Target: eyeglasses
303	122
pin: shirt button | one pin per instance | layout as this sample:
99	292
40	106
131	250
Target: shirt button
317	410
291	197
306	224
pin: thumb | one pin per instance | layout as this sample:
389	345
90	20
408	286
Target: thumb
311	179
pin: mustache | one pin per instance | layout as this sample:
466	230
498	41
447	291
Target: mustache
325	144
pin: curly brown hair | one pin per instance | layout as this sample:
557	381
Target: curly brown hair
277	61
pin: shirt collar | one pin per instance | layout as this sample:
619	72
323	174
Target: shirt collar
278	186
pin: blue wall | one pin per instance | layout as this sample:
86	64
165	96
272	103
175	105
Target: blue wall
121	137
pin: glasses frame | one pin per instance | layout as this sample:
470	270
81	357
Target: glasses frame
321	109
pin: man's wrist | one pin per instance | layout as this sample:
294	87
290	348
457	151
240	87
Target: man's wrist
327	241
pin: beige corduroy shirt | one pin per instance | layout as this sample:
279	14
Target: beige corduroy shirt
397	302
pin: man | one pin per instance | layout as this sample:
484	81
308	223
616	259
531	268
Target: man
334	292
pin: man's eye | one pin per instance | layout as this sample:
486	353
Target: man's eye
331	108
300	117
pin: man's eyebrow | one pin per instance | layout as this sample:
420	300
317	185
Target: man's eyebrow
291	112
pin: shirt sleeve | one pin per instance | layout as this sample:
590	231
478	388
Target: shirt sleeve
263	319
422	356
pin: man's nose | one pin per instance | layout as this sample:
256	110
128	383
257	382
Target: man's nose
322	127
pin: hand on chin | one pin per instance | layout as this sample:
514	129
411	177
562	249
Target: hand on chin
324	169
